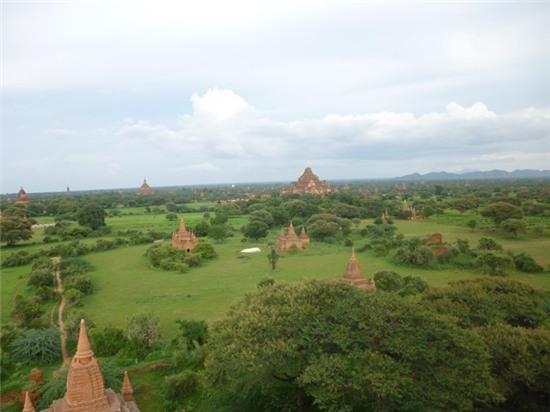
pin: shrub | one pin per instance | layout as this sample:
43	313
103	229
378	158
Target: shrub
193	259
73	296
194	332
206	250
388	281
181	386
37	345
525	263
25	311
487	243
41	278
109	341
82	283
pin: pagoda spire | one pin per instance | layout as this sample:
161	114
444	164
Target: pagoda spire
353	271
291	230
28	407
83	349
127	391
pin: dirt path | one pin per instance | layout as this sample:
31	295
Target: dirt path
62	331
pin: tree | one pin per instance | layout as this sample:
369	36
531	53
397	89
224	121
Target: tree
262	216
513	226
202	228
219	232
388	281
521	364
255	229
15	228
495	264
487	301
25	311
487	243
500	211
194	332
472	224
273	257
526	263
171	217
109	341
91	215
144	330
328	346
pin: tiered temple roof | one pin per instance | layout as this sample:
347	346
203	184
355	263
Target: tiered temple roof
85	385
145	189
287	240
183	239
22	197
354	276
309	183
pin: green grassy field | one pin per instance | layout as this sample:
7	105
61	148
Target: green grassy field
125	282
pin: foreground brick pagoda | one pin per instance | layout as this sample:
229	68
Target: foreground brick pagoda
85	386
183	239
22	197
290	239
354	277
309	183
145	189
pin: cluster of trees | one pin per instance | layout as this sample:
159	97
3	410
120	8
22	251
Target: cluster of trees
326	346
167	258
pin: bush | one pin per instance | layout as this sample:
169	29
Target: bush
487	243
41	278
194	332
193	259
25	311
206	250
36	345
525	263
73	296
388	281
413	252
181	386
109	341
81	283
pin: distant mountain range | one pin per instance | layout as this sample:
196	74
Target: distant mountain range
479	175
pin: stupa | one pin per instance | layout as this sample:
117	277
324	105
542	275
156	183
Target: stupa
354	277
22	197
28	406
145	189
85	386
309	183
183	239
290	239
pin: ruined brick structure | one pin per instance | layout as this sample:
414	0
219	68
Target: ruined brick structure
354	277
435	239
183	239
22	197
309	183
287	240
85	385
145	189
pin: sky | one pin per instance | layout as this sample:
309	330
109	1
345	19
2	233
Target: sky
100	94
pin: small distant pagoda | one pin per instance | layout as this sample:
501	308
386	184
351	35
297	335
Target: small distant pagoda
309	183
145	189
183	239
385	218
86	388
22	197
407	208
354	277
290	239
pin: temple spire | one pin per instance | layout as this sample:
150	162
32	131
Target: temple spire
83	349
127	391
28	407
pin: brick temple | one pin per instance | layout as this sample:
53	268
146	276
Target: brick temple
145	189
183	238
354	276
290	239
86	388
22	197
309	183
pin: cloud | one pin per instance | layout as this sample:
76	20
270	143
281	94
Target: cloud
61	132
199	167
222	125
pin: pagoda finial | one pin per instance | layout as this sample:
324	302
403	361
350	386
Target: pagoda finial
83	349
28	407
353	253
127	391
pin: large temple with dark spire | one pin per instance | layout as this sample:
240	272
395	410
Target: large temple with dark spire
290	239
145	189
309	183
22	197
354	276
86	388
